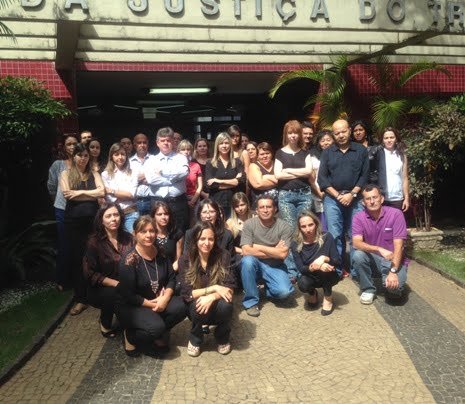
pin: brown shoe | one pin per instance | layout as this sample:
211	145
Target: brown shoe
78	308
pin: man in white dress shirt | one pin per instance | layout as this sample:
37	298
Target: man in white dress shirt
166	175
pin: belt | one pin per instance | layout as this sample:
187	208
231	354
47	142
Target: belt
181	197
298	190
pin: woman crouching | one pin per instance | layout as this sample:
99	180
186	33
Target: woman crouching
146	306
316	257
207	284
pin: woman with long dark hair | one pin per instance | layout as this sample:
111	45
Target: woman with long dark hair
210	211
207	285
56	194
81	187
121	184
317	259
105	247
393	170
145	304
95	150
169	239
360	133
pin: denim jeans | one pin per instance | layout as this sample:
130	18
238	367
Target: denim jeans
129	220
277	283
291	203
144	205
370	266
339	222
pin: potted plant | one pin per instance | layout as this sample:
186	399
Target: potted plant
433	146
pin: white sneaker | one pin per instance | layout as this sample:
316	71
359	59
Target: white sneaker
367	297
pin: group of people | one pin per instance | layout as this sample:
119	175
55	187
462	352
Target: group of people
155	238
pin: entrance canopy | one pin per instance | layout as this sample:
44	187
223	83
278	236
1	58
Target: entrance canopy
233	31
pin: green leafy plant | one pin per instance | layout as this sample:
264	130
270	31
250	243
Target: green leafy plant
432	148
330	100
459	102
4	30
390	108
28	252
26	104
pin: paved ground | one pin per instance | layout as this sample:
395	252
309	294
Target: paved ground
378	353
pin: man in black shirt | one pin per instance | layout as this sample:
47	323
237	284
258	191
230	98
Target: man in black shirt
343	173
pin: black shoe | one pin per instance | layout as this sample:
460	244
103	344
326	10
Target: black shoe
133	353
313	305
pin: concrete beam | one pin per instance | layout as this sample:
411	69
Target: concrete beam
67	41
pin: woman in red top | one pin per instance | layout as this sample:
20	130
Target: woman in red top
194	180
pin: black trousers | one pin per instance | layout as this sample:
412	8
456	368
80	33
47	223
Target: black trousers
77	230
220	314
318	279
180	210
143	325
103	298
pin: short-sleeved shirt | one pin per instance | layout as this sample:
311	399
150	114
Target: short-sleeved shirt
343	171
390	226
292	160
254	232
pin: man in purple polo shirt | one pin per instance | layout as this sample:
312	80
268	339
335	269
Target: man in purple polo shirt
378	235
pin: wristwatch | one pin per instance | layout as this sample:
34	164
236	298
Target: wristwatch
394	270
354	195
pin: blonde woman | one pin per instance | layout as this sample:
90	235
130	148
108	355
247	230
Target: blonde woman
120	184
194	180
224	173
207	285
240	213
81	187
317	259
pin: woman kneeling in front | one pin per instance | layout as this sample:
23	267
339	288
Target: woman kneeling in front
146	306
316	257
207	284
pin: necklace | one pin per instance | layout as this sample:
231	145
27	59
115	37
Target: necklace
154	285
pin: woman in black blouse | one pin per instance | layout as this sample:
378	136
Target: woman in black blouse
224	173
293	168
207	285
81	188
145	305
317	259
211	212
169	240
100	265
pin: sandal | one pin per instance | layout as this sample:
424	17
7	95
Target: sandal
193	350
224	349
107	333
78	308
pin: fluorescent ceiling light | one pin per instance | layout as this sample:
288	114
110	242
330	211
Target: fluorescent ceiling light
180	90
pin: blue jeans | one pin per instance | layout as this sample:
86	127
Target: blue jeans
129	220
372	265
291	203
277	283
339	222
144	205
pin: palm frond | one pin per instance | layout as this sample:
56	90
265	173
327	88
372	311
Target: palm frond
388	113
5	31
383	76
316	75
419	105
5	3
418	68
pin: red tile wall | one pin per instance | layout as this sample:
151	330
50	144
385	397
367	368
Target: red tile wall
190	67
431	82
61	85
